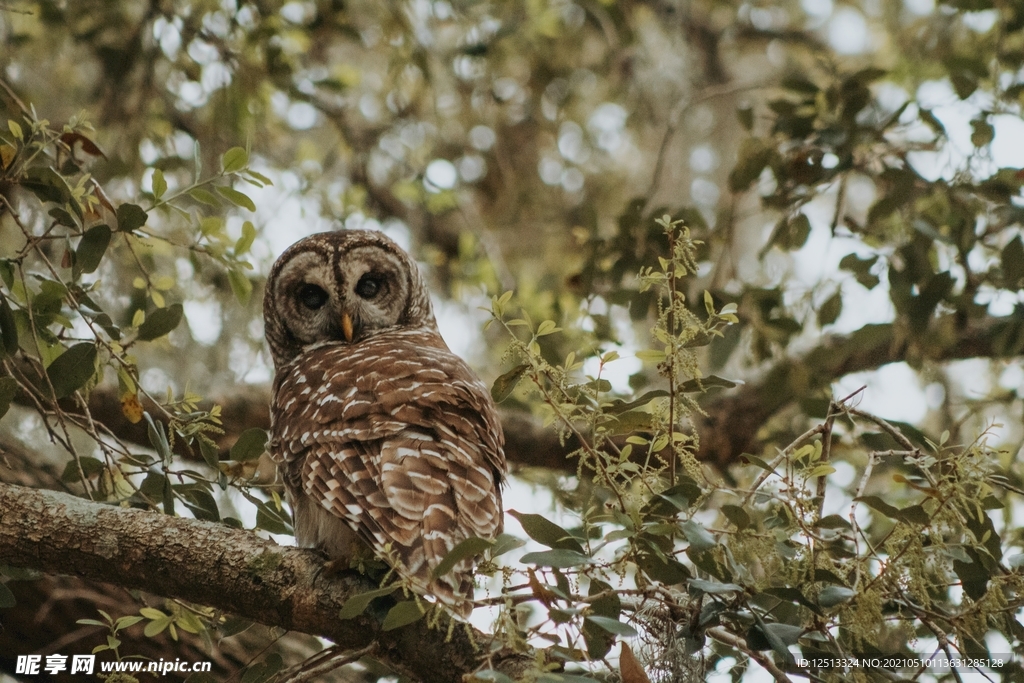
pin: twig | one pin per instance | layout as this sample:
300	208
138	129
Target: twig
315	666
810	433
14	97
676	115
723	636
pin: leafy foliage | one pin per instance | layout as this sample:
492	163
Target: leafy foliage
641	193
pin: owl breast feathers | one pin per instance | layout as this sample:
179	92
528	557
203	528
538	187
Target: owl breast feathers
386	438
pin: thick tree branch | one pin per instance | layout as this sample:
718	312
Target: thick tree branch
733	419
215	565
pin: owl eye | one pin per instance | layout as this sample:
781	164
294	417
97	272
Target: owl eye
312	297
368	285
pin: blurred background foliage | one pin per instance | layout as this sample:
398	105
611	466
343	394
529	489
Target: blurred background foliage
851	173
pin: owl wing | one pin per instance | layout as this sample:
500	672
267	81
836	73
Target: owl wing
396	436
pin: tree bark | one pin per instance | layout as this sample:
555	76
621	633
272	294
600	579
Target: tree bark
732	418
224	568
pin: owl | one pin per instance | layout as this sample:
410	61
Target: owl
384	438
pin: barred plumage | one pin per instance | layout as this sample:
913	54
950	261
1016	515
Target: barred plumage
383	436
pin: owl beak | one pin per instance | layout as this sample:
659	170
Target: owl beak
346	326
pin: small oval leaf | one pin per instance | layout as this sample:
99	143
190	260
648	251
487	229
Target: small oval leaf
235	197
91	248
559	559
831	596
250	445
504	385
160	322
234	160
543	530
356	605
130	217
402	614
613	626
470	547
72	369
8	327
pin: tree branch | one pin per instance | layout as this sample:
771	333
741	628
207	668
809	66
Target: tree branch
224	568
733	419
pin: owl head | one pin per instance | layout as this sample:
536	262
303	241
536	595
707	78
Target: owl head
341	286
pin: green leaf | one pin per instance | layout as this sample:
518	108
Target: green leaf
15	129
754	460
159	183
241	285
357	604
599	640
831	596
127	621
62	217
504	543
619	406
668	570
559	559
973	575
49	186
504	385
704	383
791	594
262	179
91	248
1013	263
402	614
8	327
914	514
715	587
209	452
8	390
245	241
158	440
204	196
754	155
830	310
156	626
250	445
699	537
160	322
470	547
613	626
544	531
547	327
130	217
778	637
736	515
90	467
72	369
833	522
982	133
272	520
746	116
234	160
235	197
201	503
